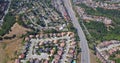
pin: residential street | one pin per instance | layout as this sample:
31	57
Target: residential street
1	21
34	42
85	57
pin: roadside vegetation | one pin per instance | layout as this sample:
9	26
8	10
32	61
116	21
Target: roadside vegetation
72	29
100	0
9	21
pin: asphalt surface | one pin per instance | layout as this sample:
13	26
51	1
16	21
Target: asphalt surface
85	56
1	21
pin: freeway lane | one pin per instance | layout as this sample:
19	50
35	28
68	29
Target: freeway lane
85	56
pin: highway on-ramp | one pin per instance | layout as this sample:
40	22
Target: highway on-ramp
85	56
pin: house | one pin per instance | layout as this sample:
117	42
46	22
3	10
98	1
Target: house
41	43
52	51
46	61
57	57
107	21
59	52
56	61
63	33
37	36
37	61
71	51
55	41
31	36
27	39
62	44
17	61
22	56
72	43
31	61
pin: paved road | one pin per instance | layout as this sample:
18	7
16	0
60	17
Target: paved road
78	0
1	21
85	56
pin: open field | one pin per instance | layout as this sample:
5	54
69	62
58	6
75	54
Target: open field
93	58
9	49
17	30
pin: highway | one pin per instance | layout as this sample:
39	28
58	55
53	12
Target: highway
85	56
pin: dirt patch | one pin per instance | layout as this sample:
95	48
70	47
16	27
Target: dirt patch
117	55
9	49
2	54
79	58
93	58
17	30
